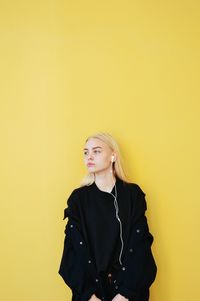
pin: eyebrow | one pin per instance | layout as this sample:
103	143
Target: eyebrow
93	147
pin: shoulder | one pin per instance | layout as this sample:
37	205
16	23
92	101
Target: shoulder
137	196
76	194
134	188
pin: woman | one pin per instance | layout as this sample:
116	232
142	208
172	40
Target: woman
107	248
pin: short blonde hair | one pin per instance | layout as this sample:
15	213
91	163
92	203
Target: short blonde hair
118	169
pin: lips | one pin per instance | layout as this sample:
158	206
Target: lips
90	164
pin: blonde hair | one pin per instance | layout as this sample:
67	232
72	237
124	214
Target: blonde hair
118	169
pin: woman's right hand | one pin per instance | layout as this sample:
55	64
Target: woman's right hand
94	298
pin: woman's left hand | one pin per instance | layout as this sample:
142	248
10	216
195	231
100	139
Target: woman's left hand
119	297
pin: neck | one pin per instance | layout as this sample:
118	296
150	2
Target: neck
105	181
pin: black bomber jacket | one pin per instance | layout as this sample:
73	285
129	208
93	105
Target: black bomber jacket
137	271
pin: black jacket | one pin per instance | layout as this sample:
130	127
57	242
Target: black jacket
81	267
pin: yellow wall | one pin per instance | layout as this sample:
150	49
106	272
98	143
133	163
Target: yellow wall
69	69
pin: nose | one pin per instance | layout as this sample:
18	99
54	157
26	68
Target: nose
90	157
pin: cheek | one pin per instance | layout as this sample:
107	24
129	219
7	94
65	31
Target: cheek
104	160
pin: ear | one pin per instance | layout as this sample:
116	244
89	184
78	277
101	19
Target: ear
112	158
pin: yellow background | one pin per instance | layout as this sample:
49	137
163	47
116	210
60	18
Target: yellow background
73	68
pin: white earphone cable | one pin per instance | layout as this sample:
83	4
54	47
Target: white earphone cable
118	218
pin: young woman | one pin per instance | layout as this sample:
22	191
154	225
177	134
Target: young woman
107	247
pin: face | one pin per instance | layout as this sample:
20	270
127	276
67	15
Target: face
97	156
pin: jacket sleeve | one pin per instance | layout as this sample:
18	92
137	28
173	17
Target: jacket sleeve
139	268
73	266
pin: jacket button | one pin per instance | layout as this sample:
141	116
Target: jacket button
89	261
123	268
71	226
130	250
138	230
116	286
114	281
81	242
96	280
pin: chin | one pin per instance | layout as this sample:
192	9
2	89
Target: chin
91	169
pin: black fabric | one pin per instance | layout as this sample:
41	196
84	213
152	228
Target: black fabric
92	244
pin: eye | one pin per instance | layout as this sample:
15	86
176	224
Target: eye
97	151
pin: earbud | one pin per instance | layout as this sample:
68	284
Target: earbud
112	158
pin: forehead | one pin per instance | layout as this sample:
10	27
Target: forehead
94	143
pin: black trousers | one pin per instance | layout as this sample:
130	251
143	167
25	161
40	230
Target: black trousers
107	288
109	291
